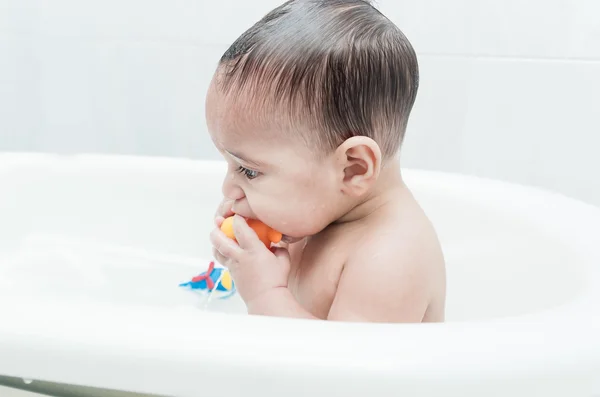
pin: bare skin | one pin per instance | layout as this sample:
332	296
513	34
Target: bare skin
361	247
386	267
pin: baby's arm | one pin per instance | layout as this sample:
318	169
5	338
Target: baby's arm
281	301
382	283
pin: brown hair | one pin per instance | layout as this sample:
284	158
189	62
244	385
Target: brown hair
335	68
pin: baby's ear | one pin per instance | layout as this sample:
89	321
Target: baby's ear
359	158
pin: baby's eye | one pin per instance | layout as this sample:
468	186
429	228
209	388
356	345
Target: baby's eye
248	173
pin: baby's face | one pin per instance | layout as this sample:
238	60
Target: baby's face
272	176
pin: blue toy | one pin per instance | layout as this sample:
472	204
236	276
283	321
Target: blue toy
212	280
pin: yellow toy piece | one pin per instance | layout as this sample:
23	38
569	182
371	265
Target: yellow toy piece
265	233
226	281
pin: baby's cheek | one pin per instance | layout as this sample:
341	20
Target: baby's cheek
306	218
281	215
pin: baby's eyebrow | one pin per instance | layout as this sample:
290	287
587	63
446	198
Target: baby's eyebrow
243	159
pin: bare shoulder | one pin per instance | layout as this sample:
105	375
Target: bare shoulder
395	272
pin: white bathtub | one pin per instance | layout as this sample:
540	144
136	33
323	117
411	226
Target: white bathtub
523	294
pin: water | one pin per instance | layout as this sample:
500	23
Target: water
60	268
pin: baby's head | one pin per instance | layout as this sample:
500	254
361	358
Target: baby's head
307	107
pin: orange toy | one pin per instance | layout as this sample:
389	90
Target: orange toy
265	233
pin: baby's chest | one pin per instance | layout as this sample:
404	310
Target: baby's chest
314	278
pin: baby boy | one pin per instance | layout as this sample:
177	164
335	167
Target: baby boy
309	108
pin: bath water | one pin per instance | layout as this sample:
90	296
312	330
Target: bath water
55	267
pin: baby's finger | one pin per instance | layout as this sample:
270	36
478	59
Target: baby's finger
245	235
220	258
219	221
281	254
226	246
225	208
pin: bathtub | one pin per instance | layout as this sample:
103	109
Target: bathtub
523	303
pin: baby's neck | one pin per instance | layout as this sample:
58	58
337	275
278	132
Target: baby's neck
387	190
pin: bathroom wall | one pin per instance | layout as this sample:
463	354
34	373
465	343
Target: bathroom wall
509	90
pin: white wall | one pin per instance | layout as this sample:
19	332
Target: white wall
509	89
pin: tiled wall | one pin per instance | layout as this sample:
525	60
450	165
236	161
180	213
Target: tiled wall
509	89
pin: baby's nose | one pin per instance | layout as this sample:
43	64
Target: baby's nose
230	189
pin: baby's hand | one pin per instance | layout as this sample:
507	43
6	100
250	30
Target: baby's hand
223	211
254	268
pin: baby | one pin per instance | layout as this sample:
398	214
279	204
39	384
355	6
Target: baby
309	108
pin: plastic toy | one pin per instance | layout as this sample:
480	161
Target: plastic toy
265	233
214	279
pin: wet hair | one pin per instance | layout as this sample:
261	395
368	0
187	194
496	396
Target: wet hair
332	68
